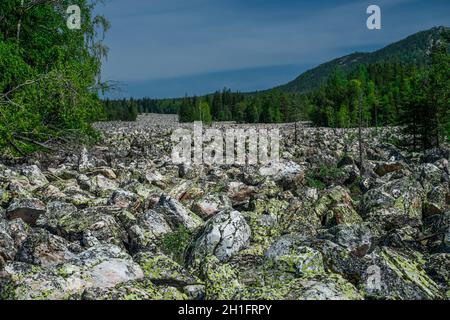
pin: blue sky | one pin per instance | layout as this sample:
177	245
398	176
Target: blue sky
167	48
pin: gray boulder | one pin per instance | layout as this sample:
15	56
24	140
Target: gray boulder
28	210
223	236
176	214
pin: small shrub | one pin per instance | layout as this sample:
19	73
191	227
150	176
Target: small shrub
176	242
324	176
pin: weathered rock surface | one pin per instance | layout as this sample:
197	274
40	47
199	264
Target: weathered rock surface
223	236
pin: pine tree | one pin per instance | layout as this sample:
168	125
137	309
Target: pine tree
205	113
343	118
251	113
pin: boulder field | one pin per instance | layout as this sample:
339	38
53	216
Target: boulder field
120	220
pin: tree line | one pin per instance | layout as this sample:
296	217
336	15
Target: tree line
417	98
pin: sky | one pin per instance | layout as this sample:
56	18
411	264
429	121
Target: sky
169	48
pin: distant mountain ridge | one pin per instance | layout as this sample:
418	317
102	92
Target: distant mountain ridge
411	50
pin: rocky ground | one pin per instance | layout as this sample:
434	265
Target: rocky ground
119	220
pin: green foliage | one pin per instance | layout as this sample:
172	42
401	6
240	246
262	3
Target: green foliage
176	242
313	182
48	73
271	107
425	108
324	176
411	50
123	110
390	94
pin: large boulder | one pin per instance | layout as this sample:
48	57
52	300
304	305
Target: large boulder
176	214
97	222
322	287
383	168
336	207
103	186
288	174
401	275
394	204
223	236
289	257
103	266
28	210
45	249
437	200
35	176
12	235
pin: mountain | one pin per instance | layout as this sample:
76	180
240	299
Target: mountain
412	50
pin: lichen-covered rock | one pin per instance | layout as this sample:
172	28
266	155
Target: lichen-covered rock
264	229
209	205
100	225
406	237
401	276
431	175
223	236
298	260
215	275
103	186
28	210
176	214
162	270
12	235
55	211
358	239
45	249
336	207
312	287
438	268
154	223
322	287
436	154
132	290
387	167
395	204
437	200
437	232
287	174
97	267
35	176
85	161
124	199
